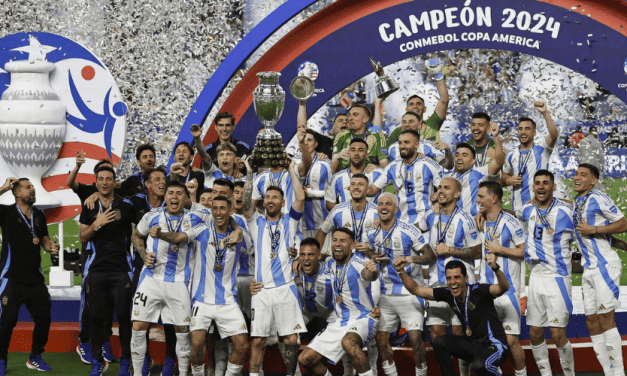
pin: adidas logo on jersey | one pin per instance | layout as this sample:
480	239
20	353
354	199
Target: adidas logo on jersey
609	348
601	307
186	319
353	329
507	327
413	324
128	286
243	327
555	321
297	327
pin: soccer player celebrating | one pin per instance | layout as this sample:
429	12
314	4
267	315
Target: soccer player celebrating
412	177
522	163
394	238
485	149
357	214
214	291
549	231
278	300
162	290
226	161
596	217
484	346
503	237
351	277
182	169
24	233
339	189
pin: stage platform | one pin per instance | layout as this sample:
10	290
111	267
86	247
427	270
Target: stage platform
64	337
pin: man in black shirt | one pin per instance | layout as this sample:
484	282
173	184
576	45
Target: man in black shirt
24	232
107	230
146	157
485	345
182	170
225	126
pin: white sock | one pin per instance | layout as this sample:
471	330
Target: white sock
464	367
567	359
422	371
541	355
297	371
389	368
198	370
139	346
328	373
522	372
233	369
614	347
598	344
367	373
348	367
222	356
183	345
254	374
373	355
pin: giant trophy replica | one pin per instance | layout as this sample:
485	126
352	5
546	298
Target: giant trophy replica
384	84
269	99
32	122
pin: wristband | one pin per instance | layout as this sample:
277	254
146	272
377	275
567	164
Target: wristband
497	268
399	272
438	76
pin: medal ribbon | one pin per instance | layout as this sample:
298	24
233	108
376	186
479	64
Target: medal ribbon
496	226
577	214
338	284
463	176
31	224
278	181
350	174
545	222
441	235
308	176
466	321
387	236
219	252
522	166
358	229
481	161
275	235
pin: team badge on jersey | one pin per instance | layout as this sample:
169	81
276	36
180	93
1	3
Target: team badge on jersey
5	300
388	242
118	214
418	176
308	285
409	175
397	243
320	289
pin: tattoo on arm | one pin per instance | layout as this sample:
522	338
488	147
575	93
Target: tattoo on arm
248	193
169	237
202	153
181	329
467	253
140	245
426	257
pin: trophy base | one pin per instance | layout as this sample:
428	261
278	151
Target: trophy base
269	152
385	86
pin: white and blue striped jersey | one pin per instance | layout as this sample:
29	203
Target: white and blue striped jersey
414	185
527	162
342	216
316	292
273	267
356	293
401	240
461	233
173	261
509	233
425	147
319	177
281	179
215	173
597	209
548	247
470	186
215	274
338	192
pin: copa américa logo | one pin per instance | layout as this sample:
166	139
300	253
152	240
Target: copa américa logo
625	66
95	111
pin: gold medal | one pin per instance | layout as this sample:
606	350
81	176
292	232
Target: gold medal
551	231
221	243
35	241
338	299
272	255
175	248
218	267
468	332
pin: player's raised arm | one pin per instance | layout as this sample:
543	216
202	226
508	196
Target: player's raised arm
424	292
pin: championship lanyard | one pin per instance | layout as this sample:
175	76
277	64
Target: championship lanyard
463	176
495	228
481	161
171	228
387	236
275	236
141	180
30	224
442	234
545	222
220	248
279	180
365	138
522	166
189	175
308	176
466	321
350	174
578	212
150	206
358	229
338	284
